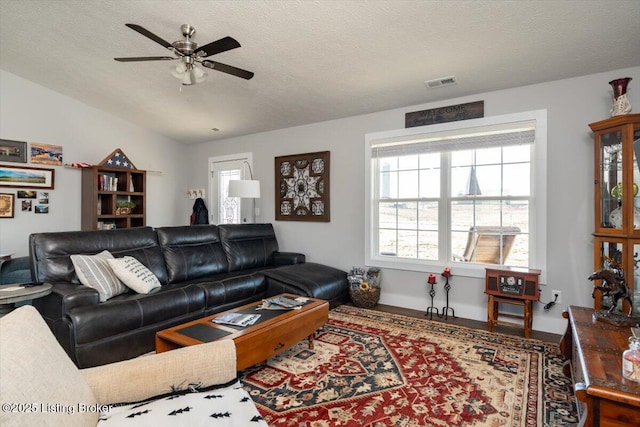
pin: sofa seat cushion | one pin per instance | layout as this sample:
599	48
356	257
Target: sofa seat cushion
233	290
221	407
309	279
132	311
38	377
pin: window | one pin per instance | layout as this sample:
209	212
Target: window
458	193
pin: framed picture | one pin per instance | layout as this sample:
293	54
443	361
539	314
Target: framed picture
13	151
46	154
26	177
6	205
302	187
27	194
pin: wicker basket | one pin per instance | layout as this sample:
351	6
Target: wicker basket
123	211
364	286
364	298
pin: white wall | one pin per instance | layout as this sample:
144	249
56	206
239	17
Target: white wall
571	104
32	113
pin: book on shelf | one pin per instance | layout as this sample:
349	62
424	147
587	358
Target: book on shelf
105	225
236	319
107	182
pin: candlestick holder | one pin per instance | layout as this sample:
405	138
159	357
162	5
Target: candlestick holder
432	293
445	309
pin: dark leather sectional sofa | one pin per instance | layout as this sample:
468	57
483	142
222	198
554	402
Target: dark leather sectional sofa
203	269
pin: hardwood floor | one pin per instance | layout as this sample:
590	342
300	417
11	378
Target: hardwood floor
476	324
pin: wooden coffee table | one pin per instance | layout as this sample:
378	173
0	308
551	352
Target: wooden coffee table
275	331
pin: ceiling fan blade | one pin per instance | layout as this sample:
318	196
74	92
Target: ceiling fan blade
146	58
150	35
222	45
234	71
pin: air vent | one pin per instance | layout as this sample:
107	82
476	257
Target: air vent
441	82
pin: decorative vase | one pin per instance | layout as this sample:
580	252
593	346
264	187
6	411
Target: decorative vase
621	104
615	218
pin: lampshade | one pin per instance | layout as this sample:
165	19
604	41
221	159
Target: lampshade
244	188
189	73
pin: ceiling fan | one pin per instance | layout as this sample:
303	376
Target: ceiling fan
189	54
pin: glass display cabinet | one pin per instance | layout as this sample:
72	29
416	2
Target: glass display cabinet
617	203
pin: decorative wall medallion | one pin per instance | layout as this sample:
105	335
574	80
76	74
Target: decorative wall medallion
302	183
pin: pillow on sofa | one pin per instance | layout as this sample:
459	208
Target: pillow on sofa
94	271
134	274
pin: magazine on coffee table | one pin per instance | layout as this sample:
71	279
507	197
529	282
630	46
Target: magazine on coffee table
282	303
236	319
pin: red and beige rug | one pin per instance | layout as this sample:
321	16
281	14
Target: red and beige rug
377	369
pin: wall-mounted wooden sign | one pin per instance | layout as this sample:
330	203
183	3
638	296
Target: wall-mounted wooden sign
451	113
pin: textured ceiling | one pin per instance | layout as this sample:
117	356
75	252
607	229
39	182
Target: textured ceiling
313	60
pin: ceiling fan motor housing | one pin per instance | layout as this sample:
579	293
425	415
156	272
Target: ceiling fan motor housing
185	47
187	30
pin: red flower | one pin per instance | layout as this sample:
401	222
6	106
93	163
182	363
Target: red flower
432	279
446	272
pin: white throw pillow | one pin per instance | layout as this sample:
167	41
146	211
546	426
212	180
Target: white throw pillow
94	271
134	274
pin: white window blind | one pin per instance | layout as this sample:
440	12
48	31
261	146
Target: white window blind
474	138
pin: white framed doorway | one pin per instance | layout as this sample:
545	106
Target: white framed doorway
225	209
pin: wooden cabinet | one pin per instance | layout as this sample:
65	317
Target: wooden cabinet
617	202
104	189
514	286
593	350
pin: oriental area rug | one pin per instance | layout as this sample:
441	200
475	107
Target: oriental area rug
376	369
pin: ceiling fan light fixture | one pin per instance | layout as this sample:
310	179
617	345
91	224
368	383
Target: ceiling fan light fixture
179	70
189	73
199	74
186	79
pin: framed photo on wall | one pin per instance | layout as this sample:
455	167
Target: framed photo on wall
13	151
302	187
7	205
26	177
46	154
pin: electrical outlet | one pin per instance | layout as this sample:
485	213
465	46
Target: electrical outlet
555	293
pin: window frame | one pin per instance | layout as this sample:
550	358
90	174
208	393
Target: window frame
538	209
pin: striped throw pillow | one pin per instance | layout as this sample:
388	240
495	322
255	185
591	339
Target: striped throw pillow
94	271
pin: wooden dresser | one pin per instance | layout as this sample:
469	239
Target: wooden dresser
593	350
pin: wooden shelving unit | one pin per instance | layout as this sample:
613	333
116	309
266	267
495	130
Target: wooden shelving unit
103	187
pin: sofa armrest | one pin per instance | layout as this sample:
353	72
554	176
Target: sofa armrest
148	376
65	296
288	258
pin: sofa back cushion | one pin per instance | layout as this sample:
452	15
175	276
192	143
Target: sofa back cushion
51	252
248	245
192	252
